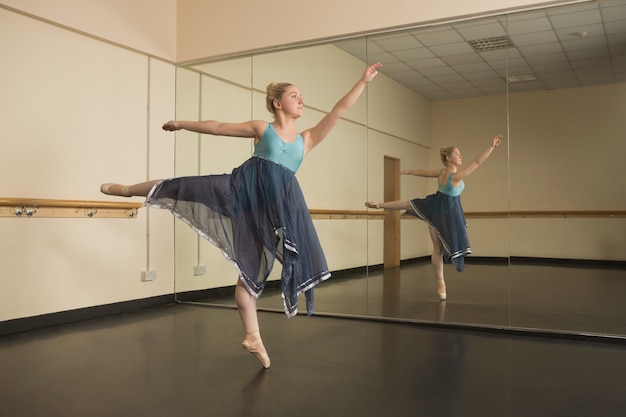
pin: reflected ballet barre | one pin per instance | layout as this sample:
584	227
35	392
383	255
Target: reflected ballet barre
380	214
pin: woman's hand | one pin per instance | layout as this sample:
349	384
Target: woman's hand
497	140
171	126
371	72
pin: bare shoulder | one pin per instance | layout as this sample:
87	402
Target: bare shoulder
256	128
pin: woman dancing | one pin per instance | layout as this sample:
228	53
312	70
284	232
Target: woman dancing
442	211
257	213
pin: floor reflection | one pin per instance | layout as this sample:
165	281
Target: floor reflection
564	298
253	394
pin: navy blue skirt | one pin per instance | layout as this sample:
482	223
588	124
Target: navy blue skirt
254	215
445	215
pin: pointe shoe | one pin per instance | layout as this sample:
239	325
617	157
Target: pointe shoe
106	189
255	348
441	290
372	205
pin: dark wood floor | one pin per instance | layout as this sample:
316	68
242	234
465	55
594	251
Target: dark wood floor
182	360
186	360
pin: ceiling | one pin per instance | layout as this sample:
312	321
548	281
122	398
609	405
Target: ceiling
568	46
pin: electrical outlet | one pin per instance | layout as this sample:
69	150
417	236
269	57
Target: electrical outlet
199	270
148	275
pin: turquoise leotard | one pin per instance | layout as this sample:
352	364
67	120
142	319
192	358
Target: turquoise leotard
273	148
449	189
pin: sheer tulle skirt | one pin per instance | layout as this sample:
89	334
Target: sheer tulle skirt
445	215
254	215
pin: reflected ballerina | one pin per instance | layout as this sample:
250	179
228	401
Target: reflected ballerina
442	211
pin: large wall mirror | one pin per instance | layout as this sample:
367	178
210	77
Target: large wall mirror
545	212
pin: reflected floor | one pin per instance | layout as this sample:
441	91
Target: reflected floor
576	299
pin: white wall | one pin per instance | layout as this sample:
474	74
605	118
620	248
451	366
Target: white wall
78	111
147	26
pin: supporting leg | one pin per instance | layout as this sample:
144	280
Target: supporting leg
246	305
437	261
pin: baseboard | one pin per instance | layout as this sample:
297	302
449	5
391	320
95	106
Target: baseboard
528	260
70	316
591	263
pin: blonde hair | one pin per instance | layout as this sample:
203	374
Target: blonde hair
445	152
275	91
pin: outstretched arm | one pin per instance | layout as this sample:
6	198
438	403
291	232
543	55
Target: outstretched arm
251	129
471	167
313	136
422	172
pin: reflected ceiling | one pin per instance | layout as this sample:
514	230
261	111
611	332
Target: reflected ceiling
570	46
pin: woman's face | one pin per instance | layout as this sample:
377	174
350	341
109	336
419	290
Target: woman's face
455	157
291	102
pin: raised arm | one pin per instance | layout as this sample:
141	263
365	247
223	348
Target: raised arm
251	129
471	167
422	172
313	136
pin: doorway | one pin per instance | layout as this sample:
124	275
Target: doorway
391	234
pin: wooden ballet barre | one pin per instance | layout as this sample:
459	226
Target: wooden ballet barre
345	214
49	208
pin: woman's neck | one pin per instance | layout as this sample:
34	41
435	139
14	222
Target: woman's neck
284	124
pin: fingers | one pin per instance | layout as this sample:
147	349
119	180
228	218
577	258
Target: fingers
372	71
374	68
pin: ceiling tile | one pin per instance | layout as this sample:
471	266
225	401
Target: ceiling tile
534	38
573	20
439	37
398	43
539	24
451	49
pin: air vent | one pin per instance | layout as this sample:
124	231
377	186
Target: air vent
522	78
491	44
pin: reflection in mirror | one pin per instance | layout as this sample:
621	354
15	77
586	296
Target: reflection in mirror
549	199
455	76
566	69
568	225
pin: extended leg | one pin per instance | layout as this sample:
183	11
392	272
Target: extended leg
141	189
437	261
390	205
246	304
